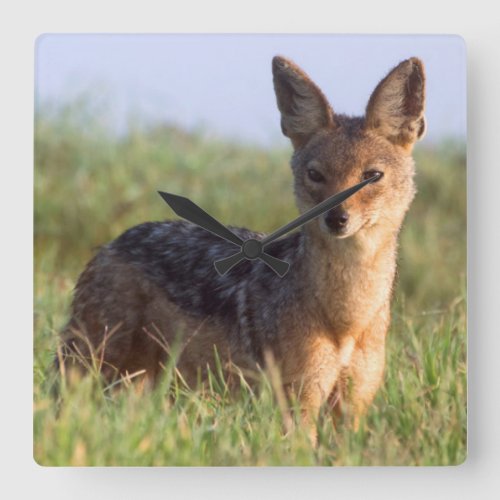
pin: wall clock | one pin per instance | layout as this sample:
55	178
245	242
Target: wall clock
210	309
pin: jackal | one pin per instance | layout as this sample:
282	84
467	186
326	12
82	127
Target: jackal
325	321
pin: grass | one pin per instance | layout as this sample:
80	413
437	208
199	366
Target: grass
91	185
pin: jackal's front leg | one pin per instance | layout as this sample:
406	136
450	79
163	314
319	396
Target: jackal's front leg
313	395
319	371
366	371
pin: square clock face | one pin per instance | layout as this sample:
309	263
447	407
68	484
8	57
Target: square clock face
250	250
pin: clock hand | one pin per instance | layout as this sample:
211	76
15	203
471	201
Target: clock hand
319	209
224	265
250	249
188	210
280	267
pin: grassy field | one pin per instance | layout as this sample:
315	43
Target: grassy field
90	186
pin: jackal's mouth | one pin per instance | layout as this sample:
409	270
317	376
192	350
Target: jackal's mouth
339	231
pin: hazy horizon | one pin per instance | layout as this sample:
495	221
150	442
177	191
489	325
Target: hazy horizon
222	84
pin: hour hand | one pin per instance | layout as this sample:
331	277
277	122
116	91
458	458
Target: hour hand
249	249
188	210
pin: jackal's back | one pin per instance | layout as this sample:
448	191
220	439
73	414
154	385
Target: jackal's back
160	275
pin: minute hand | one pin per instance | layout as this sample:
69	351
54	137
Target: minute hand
317	210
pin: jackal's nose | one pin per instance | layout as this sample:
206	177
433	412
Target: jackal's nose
337	219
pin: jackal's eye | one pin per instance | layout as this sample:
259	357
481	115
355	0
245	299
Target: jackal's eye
314	175
368	174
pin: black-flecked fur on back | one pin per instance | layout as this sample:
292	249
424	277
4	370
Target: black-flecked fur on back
178	257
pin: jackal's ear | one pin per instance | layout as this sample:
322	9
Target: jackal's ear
396	107
304	109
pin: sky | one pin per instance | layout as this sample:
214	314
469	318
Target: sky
222	84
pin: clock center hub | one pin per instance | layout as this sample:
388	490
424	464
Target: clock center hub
252	249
